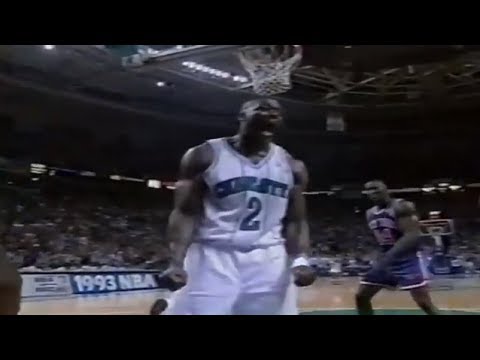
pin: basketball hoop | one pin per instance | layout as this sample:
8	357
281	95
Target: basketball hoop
437	228
271	67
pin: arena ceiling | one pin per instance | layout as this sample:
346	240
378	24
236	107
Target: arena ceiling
198	81
166	89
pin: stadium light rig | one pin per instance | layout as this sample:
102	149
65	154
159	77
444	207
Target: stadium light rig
38	169
154	184
428	188
214	72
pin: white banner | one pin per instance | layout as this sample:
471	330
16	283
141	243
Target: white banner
40	285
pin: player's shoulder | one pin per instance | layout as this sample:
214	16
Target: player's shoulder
197	159
298	166
299	170
369	212
205	150
282	150
403	207
402	203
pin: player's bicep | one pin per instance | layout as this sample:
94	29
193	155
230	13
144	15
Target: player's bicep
189	187
407	217
187	196
297	207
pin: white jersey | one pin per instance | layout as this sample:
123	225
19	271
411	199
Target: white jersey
246	203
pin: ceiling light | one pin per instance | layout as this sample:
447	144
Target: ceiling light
49	47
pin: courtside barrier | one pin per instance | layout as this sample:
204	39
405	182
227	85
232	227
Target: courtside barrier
85	282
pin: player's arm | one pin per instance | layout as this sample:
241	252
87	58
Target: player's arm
295	222
189	192
297	233
409	225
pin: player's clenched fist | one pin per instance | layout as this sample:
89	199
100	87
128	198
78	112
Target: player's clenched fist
304	275
174	278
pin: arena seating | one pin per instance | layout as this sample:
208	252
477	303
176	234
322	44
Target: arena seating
73	233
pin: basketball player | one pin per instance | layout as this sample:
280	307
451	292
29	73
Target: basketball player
238	230
395	225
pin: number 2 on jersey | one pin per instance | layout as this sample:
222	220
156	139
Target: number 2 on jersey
250	223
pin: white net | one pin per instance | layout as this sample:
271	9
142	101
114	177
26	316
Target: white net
271	67
436	227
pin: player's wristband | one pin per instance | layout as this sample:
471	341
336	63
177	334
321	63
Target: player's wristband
300	260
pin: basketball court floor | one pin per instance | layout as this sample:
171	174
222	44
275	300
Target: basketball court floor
326	297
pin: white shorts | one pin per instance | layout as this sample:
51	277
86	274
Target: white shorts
228	282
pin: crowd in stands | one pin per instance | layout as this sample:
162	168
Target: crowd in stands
69	233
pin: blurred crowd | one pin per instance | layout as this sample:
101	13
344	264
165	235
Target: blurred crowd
67	234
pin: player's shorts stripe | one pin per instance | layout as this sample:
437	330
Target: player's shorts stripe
371	283
422	284
422	265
